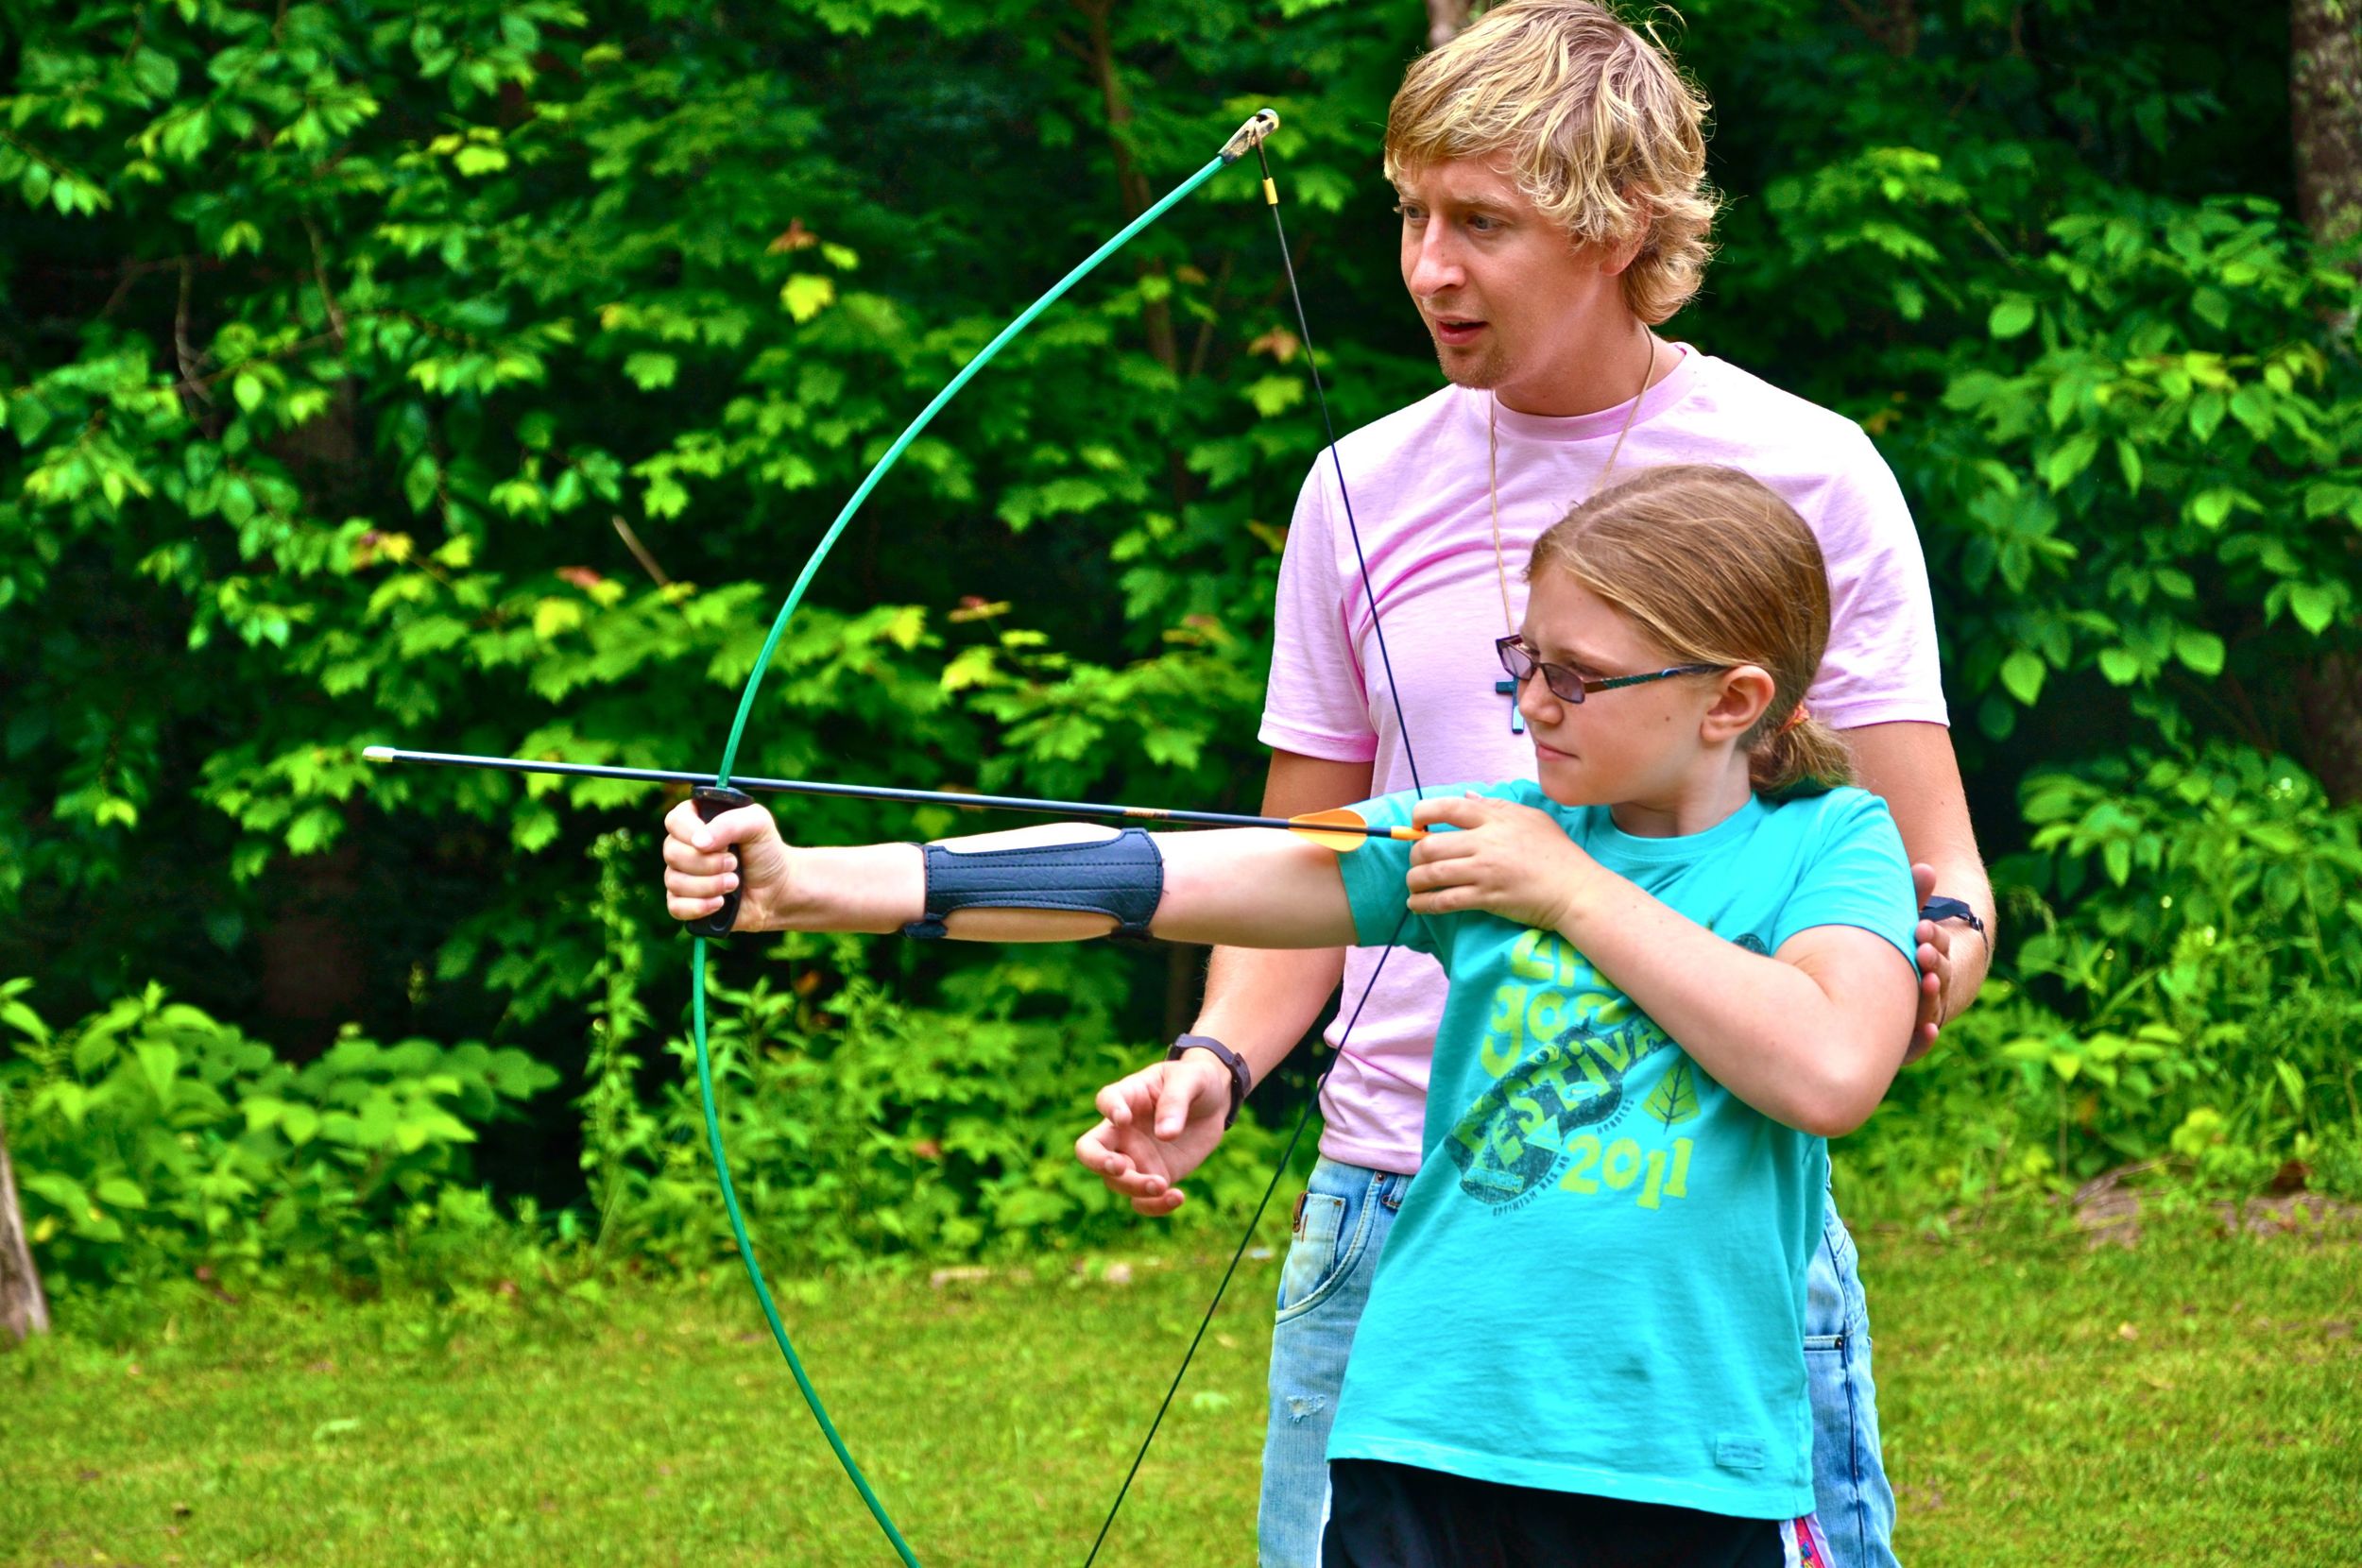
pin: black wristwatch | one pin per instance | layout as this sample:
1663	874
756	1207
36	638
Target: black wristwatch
1940	909
1240	1080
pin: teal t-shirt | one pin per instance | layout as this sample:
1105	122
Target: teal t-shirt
1597	1281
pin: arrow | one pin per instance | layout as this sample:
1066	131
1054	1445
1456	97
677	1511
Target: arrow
1341	829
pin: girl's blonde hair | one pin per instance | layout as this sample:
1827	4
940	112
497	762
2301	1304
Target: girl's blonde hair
1602	132
1716	569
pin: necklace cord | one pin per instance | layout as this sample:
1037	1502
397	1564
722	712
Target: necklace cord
1491	470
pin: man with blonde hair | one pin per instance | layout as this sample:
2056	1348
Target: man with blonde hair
1550	165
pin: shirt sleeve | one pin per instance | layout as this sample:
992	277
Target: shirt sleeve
1881	665
1317	702
1377	874
1857	875
1376	882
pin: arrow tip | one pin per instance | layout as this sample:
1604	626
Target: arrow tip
377	753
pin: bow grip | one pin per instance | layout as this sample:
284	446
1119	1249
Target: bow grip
711	800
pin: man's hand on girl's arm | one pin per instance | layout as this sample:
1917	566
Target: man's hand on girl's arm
1911	766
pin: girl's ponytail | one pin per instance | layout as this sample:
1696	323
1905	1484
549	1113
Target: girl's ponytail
1800	755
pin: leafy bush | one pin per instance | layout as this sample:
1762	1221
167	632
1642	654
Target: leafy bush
470	375
150	1138
2188	994
859	1126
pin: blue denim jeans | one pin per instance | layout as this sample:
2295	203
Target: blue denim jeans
1341	1222
1851	1497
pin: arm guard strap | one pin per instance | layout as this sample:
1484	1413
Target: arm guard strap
1123	877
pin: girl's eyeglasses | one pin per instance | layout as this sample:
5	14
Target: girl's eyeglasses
1569	686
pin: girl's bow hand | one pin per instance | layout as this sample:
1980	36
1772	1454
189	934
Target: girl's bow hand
1509	859
704	860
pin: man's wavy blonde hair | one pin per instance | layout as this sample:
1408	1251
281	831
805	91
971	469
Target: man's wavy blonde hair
1601	129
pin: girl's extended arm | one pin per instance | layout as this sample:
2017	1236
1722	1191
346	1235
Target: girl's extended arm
1250	887
1811	1036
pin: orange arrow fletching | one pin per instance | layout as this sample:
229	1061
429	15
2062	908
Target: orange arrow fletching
1344	829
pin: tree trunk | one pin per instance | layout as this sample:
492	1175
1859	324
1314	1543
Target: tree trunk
23	1309
2325	135
2325	116
1131	184
1445	19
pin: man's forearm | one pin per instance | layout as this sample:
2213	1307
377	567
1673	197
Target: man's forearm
1259	1003
1913	767
1963	878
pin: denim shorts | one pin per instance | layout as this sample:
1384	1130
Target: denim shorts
1341	1226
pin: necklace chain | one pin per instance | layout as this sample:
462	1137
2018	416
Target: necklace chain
1492	471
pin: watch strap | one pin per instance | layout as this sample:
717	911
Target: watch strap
1240	1078
1940	909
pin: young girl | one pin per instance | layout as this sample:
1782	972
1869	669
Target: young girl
1677	964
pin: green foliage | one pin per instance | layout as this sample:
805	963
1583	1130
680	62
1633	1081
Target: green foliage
2158	412
2197	1014
859	1127
472	376
2126	405
480	374
150	1138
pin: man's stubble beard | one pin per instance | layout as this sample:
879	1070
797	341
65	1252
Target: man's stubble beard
1478	372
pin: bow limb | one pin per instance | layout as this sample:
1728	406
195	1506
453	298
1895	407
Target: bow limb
1248	135
1378	626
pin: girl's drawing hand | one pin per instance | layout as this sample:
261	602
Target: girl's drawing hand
1511	860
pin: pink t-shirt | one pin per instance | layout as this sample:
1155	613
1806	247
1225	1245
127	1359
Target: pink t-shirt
1417	479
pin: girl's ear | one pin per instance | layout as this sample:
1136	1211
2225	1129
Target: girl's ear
1745	691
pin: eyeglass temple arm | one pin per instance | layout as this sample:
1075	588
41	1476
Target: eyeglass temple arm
1612	682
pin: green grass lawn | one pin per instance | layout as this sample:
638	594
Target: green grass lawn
2197	1400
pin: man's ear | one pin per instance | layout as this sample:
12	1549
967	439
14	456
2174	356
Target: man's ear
1741	695
1616	257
